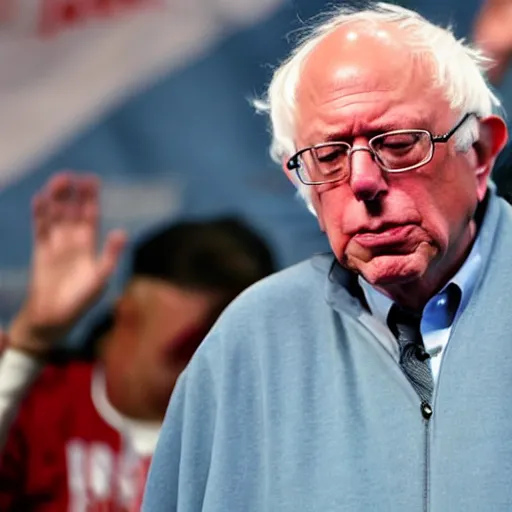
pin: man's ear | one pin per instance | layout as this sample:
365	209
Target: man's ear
313	201
492	138
290	174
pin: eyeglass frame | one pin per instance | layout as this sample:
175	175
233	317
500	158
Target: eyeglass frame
293	162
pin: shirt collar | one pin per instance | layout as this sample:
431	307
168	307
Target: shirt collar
438	306
141	435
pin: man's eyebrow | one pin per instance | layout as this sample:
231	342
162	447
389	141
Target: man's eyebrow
377	128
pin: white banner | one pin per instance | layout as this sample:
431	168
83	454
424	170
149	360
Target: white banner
65	62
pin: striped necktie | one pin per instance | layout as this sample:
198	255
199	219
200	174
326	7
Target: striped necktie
405	325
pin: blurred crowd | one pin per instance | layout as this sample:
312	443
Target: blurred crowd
79	422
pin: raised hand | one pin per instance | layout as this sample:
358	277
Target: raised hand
493	33
67	273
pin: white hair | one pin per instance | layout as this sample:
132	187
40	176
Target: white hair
458	70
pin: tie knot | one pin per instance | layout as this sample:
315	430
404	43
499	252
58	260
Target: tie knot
400	319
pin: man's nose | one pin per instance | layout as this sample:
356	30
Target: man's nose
366	177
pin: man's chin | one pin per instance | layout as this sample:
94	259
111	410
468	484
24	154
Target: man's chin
392	270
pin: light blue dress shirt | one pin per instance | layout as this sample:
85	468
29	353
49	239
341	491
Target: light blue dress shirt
441	310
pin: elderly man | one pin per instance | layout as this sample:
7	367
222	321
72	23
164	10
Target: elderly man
379	377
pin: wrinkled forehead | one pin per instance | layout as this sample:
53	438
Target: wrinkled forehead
372	65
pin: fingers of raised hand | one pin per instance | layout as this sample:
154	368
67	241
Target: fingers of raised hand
67	200
109	258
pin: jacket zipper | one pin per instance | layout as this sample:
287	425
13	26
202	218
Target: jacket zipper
426	411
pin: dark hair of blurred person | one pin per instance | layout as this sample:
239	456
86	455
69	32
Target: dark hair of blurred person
502	173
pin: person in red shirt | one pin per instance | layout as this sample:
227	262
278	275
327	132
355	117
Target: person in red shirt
86	428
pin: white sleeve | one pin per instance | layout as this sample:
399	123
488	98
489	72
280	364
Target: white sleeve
17	372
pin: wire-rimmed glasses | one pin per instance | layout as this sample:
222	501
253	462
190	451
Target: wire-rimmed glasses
395	151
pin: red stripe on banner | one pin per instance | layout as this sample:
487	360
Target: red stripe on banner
59	15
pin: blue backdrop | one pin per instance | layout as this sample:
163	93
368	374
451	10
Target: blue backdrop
190	144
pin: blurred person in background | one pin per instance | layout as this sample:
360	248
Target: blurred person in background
85	431
493	34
